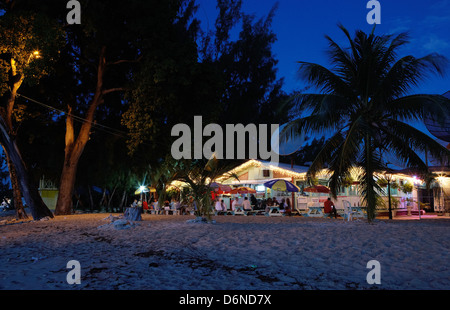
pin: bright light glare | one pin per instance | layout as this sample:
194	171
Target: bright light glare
260	188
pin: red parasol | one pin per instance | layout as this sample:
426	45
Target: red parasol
243	190
317	189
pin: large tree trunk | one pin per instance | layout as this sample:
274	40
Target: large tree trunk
75	147
29	189
73	151
64	205
20	179
17	193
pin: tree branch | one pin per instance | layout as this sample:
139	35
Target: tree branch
124	61
111	90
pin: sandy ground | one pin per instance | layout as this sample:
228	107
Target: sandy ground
235	253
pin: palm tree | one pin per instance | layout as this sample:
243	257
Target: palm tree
363	101
197	175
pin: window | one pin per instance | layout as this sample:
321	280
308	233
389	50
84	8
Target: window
266	173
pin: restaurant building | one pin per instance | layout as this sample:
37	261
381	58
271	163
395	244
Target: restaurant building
254	173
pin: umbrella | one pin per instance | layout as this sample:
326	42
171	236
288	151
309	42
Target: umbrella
243	190
220	188
317	189
144	189
282	185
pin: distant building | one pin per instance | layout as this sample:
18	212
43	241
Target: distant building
254	173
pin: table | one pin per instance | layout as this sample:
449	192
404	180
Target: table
315	212
238	210
274	211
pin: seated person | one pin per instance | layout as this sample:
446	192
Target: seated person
166	205
218	205
253	200
224	206
235	203
275	202
246	204
287	207
329	208
262	205
281	205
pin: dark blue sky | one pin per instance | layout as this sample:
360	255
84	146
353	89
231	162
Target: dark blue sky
301	25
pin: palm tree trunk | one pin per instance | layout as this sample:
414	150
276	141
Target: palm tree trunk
370	194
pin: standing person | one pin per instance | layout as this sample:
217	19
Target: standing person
134	204
155	204
145	206
329	208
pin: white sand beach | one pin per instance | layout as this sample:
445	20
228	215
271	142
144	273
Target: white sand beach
235	253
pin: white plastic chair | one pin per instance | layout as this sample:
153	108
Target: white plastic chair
348	212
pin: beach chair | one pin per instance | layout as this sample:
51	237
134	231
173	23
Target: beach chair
348	212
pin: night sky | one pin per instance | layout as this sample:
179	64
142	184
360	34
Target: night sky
301	25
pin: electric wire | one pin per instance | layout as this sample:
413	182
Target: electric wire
103	128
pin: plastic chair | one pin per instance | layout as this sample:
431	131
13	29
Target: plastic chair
348	212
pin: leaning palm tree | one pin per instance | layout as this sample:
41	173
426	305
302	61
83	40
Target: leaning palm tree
364	102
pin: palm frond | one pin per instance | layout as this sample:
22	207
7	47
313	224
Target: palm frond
418	107
407	73
407	141
325	80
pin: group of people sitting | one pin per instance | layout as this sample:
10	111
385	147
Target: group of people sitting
220	205
153	204
253	204
284	205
